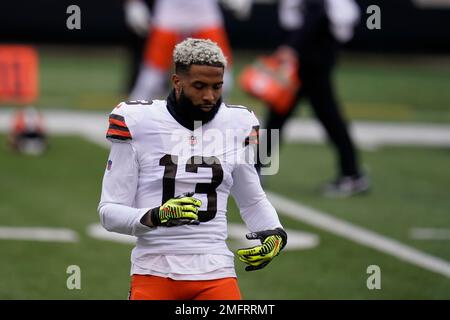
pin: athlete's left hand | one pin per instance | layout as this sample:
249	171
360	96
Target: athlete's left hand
272	242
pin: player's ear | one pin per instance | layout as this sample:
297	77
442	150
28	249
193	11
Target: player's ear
176	82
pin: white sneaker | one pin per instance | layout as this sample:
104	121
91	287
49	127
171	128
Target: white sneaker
346	186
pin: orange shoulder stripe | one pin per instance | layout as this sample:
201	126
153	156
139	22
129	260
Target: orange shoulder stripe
115	132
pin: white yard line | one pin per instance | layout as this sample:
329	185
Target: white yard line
38	234
429	234
359	235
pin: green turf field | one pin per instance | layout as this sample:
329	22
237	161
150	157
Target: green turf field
411	184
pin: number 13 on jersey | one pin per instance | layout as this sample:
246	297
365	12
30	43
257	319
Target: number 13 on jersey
170	164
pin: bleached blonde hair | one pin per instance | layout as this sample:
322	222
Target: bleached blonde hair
198	51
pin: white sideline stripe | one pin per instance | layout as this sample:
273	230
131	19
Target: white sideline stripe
369	135
429	234
359	235
297	239
38	234
374	134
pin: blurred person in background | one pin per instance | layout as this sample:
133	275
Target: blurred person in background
169	22
315	29
137	15
28	135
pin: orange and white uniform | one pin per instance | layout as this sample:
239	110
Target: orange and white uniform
141	175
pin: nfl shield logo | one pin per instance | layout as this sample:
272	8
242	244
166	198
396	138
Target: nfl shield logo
192	140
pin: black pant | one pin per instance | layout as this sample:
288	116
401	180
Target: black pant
316	75
136	46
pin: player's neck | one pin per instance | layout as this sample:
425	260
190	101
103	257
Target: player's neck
186	113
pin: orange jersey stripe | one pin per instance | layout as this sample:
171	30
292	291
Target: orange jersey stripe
117	122
118	133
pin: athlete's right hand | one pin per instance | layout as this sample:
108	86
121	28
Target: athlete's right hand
177	211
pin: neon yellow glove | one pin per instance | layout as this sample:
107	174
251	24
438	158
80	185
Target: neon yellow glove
273	241
177	211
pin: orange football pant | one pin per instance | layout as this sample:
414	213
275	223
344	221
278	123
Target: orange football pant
148	287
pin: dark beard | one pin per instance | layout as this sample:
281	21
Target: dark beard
186	113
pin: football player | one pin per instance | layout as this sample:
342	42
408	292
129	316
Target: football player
172	165
316	30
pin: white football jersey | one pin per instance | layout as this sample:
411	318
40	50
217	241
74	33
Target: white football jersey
154	158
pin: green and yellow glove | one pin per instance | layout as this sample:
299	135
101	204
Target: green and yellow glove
272	242
177	211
